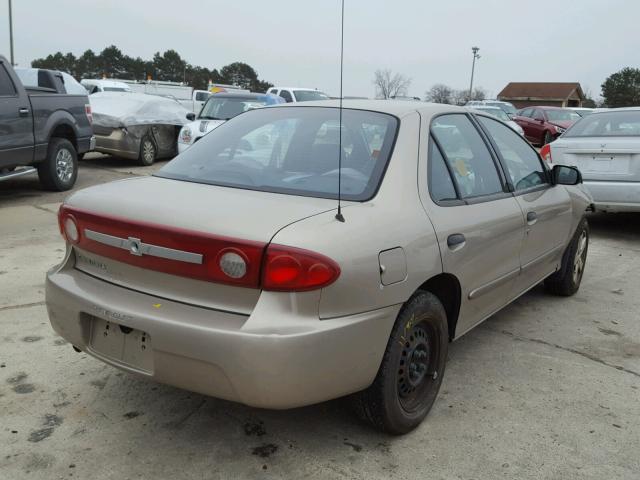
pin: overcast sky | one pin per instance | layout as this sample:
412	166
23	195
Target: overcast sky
296	42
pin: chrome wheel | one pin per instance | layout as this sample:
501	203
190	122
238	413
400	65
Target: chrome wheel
580	257
148	152
64	165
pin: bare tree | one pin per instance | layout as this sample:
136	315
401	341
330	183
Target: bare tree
439	93
461	97
389	84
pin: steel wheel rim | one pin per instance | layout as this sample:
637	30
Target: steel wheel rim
580	258
416	368
148	151
64	165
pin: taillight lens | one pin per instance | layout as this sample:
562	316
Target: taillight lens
545	153
294	270
68	226
88	112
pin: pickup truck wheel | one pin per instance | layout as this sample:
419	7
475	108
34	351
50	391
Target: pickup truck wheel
147	151
566	281
412	368
59	170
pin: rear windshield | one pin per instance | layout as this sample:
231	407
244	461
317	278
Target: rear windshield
309	95
293	151
609	124
499	113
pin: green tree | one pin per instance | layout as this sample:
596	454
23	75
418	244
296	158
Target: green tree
244	76
169	66
622	89
113	63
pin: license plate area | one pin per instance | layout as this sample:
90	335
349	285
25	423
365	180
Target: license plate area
122	344
608	163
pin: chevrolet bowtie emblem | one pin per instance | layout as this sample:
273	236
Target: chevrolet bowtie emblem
134	246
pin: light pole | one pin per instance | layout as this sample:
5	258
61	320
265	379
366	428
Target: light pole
11	35
473	68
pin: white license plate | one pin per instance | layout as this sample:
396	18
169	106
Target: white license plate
122	344
615	164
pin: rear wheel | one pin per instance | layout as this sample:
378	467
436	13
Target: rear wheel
147	151
412	368
548	138
59	170
566	281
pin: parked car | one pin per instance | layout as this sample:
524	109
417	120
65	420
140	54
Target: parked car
43	128
219	108
231	272
543	125
137	126
98	86
500	114
508	108
605	147
293	94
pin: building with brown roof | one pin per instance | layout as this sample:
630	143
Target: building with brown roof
552	94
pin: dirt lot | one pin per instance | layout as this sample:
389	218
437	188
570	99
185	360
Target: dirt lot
547	389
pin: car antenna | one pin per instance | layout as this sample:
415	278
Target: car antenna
339	215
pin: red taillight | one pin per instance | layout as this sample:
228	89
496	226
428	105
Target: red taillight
224	260
88	112
68	226
545	153
295	270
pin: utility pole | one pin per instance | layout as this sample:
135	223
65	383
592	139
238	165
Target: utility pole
13	63
475	51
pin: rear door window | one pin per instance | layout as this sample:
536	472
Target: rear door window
441	185
537	114
7	89
467	155
523	164
286	95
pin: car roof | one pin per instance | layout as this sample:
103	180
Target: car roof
398	108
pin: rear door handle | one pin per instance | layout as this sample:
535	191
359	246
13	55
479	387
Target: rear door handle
532	217
456	241
23	112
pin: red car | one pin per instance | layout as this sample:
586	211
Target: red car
543	125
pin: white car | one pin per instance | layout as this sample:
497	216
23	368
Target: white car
294	94
500	114
96	86
219	108
605	146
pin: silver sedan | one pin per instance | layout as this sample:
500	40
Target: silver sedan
233	273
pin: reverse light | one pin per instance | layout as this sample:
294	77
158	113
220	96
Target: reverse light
294	270
233	263
68	226
545	153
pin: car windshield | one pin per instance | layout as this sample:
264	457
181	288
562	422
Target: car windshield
309	95
506	107
562	115
224	108
609	124
496	112
293	151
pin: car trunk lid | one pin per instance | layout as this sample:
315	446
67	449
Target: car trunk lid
601	158
166	237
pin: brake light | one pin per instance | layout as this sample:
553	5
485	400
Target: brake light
545	153
88	112
295	270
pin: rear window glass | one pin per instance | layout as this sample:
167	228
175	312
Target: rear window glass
224	108
6	85
609	124
293	151
309	95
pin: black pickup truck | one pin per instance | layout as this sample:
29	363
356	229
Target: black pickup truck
42	128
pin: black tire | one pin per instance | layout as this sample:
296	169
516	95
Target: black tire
412	368
548	138
148	151
566	281
59	170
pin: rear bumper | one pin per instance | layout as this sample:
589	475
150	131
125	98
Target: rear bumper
273	358
86	144
614	196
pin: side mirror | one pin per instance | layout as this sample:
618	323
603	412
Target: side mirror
191	116
565	175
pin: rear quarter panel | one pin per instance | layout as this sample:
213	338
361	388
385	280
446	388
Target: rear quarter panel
393	218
